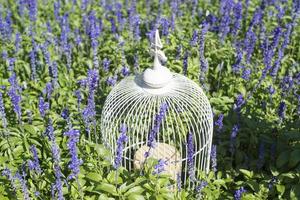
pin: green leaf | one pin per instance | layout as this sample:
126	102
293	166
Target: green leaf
135	190
280	188
135	197
94	176
106	187
294	158
249	174
283	159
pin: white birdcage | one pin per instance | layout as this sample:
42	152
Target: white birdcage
136	100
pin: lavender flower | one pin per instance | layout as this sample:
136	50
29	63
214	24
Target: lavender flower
157	123
239	102
271	90
281	110
190	157
106	63
113	25
246	74
203	61
233	135
202	185
185	62
34	164
56	6
249	44
18	40
125	71
14	96
111	81
159	167
286	84
8	174
120	145
78	38
43	106
23	184
75	161
54	73
194	39
165	26
239	193
225	11
2	111
236	67
213	155
32	5
219	122
48	90
238	15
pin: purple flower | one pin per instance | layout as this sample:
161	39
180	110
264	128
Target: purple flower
249	44
239	102
23	184
246	74
34	164
125	71
8	174
111	81
281	110
219	122
236	67
113	25
78	38
157	123
190	157
54	73
233	135
203	61
226	7
194	39
185	62
238	15
106	63
18	40
165	26
136	27
120	146
2	111
213	155
32	5
239	193
14	96
271	90
159	167
48	90
75	161
65	113
56	7
43	106
202	185
286	84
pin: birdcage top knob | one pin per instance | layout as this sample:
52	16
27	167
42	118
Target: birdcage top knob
159	76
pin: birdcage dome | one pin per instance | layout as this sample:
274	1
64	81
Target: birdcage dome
135	102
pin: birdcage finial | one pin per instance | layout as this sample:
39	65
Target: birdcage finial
159	76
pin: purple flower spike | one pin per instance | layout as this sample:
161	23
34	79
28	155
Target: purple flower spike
214	158
157	123
239	193
190	157
120	146
75	161
43	106
34	164
159	167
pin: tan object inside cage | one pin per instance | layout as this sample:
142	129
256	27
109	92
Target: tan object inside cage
163	151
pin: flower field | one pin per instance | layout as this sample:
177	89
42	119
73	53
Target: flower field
60	59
